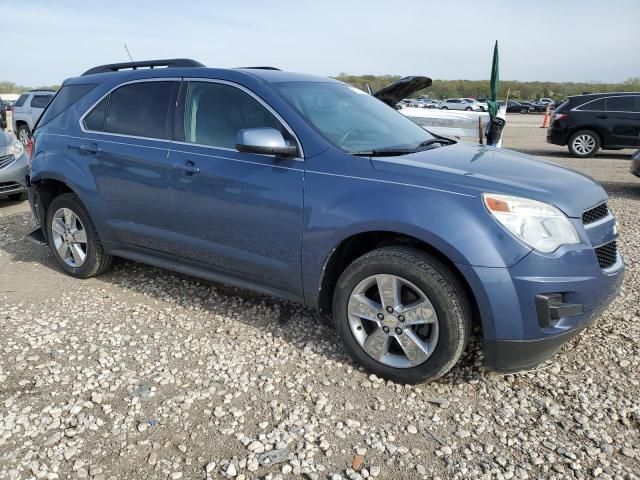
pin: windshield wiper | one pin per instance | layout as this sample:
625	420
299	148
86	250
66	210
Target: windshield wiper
431	141
386	152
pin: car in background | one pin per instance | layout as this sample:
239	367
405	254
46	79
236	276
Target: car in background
557	103
4	107
635	164
533	106
483	105
14	163
546	100
587	123
514	106
27	111
459	104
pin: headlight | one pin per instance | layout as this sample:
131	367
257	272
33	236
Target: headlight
15	148
539	225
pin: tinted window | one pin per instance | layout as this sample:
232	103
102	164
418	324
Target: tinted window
95	120
595	105
21	100
141	109
40	101
621	104
66	96
214	114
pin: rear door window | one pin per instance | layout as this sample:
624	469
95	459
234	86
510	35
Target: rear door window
139	109
40	101
66	96
594	106
621	104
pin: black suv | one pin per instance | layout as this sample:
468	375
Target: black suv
587	123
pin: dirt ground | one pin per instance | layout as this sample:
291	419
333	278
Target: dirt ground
142	373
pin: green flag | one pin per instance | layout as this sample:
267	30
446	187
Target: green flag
494	84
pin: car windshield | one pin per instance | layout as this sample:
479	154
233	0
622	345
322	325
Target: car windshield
353	120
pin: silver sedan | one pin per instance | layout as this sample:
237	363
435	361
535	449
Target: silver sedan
14	164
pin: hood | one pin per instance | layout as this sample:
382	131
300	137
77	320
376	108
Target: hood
392	94
477	169
6	139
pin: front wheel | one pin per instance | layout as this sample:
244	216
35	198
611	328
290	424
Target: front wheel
444	108
468	109
402	314
23	134
584	143
73	238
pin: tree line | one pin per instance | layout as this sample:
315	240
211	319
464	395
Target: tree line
480	88
454	88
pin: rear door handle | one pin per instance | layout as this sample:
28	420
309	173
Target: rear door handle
188	167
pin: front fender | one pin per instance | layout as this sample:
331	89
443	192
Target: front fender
456	224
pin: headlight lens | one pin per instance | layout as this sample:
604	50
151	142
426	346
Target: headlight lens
15	148
539	225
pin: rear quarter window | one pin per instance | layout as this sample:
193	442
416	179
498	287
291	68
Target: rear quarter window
66	96
21	100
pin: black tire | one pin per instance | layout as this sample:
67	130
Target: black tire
443	289
18	197
444	108
524	111
96	261
468	109
589	136
23	132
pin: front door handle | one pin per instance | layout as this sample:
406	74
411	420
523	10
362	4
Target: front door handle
89	148
188	168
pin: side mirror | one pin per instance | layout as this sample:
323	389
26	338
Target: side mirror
264	141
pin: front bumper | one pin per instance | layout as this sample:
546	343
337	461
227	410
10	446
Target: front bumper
517	334
13	176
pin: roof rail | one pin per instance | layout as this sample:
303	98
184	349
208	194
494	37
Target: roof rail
168	63
258	68
41	90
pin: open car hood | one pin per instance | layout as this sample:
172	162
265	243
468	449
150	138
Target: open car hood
392	94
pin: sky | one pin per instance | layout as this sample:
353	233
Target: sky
556	40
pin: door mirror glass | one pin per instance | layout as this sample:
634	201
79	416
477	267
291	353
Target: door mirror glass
264	141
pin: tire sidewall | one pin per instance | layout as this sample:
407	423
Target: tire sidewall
452	325
71	202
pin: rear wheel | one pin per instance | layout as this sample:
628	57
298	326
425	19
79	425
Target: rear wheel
524	110
23	134
73	238
584	143
445	108
468	109
402	314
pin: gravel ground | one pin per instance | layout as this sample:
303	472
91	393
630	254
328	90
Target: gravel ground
144	374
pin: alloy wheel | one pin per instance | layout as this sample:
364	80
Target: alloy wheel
393	321
69	237
584	144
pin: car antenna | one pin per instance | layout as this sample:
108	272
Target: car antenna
128	53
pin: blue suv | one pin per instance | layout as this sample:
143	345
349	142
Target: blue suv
313	191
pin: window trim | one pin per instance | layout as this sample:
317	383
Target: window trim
605	98
142	80
299	157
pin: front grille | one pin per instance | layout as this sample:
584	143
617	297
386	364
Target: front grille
8	186
595	214
607	254
6	160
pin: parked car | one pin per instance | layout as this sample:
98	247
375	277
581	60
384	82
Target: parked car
483	105
547	100
514	106
4	106
587	123
27	111
459	104
533	106
308	189
635	164
14	163
427	102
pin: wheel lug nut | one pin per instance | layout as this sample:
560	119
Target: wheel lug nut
385	329
400	318
389	309
380	316
398	330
